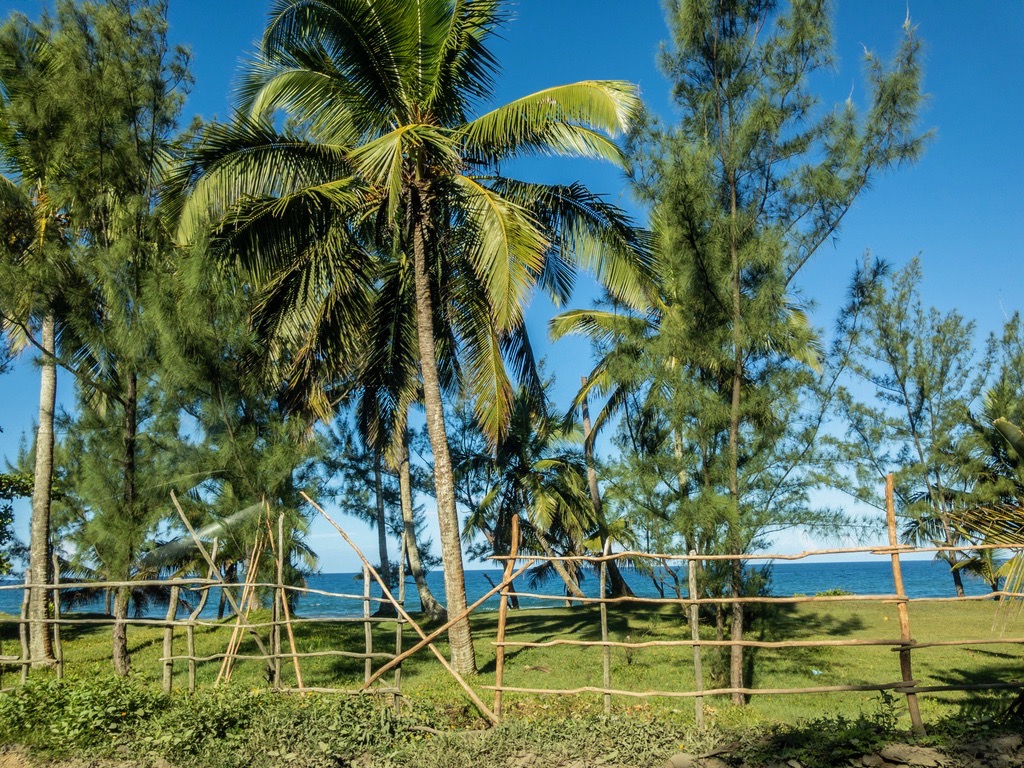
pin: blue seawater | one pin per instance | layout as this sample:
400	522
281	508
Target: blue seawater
923	578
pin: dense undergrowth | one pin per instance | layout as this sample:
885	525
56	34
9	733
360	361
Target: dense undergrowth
230	728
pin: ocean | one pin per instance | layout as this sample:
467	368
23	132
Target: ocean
922	578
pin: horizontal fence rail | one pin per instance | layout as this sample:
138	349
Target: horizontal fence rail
277	646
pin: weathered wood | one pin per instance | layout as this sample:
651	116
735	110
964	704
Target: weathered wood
399	624
58	646
711	692
499	660
401	612
367	627
168	661
284	605
720	643
698	668
901	607
606	651
26	654
428	639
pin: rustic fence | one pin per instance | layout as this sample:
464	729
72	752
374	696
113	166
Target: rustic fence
243	597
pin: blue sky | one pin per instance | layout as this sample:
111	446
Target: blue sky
960	208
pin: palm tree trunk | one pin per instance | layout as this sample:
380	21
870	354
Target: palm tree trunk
573	589
122	661
382	523
428	603
460	638
39	542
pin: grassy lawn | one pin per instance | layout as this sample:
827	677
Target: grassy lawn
87	654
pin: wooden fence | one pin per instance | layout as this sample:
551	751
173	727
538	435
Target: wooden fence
282	623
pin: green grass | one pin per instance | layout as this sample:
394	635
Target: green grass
425	684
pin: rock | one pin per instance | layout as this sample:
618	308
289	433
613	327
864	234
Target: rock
794	764
1006	743
713	762
925	757
681	760
872	761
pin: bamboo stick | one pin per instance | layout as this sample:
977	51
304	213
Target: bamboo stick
190	632
168	661
499	660
58	645
26	654
720	643
276	611
248	597
399	624
714	600
367	627
634	555
238	614
213	568
897	577
284	604
606	652
698	668
401	611
713	692
428	639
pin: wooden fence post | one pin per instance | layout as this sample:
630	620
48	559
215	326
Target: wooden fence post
58	646
367	626
399	622
172	614
26	653
607	650
279	596
901	607
698	668
499	658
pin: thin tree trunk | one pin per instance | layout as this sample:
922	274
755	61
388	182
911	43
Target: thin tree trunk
122	661
733	535
958	582
619	586
460	638
382	523
39	543
428	602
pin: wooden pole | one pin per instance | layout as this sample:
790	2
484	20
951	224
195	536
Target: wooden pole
402	612
172	614
284	603
213	569
499	660
698	668
367	627
606	649
901	607
190	630
26	654
279	595
58	646
399	624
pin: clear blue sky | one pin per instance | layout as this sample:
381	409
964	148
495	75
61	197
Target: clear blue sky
960	208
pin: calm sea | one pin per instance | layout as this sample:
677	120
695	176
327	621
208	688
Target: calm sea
923	578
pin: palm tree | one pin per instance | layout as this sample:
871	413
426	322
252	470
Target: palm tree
32	133
538	474
383	159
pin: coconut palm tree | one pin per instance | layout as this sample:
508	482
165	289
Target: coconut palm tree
32	131
382	157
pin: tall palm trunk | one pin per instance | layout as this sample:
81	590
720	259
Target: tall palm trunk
382	523
428	603
460	638
39	542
